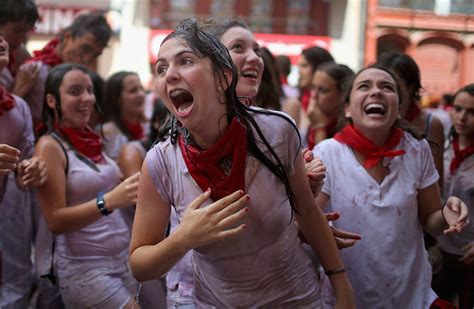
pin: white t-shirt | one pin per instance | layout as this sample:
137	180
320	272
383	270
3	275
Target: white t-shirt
388	267
459	184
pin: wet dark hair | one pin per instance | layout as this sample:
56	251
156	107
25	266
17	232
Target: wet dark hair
400	122
94	23
112	106
52	85
269	91
205	45
18	10
341	74
217	27
316	56
406	69
160	114
98	83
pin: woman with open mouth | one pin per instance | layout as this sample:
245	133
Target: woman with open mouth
383	181
218	158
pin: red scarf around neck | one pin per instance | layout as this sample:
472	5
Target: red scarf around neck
85	141
459	155
206	166
305	96
48	54
135	129
7	101
372	154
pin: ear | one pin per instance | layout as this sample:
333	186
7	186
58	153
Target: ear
224	81
51	101
347	112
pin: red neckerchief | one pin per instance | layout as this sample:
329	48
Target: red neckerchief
459	155
372	154
413	112
305	96
7	101
330	129
48	54
85	141
135	129
205	166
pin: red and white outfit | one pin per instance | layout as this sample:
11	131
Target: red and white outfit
388	267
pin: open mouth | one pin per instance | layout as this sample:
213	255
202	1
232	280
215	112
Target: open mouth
182	100
2	49
375	109
249	74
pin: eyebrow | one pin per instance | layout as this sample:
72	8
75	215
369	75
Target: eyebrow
176	55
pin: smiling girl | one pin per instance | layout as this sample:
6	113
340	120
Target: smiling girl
384	183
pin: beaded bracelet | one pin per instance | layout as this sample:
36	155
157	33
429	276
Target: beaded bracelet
335	271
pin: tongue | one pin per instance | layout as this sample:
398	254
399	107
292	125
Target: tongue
184	106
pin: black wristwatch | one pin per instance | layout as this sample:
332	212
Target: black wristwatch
101	204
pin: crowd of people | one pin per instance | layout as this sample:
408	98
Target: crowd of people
224	186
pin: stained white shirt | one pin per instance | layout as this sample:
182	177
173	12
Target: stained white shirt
388	267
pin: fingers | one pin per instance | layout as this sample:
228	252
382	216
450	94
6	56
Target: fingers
233	208
307	155
198	201
344	243
332	216
225	201
344	234
9	157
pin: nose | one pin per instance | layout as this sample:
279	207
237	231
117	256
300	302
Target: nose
252	56
172	74
375	91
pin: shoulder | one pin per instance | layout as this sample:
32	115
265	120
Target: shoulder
329	149
272	121
47	146
22	105
110	129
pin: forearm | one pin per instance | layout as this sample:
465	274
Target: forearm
316	230
154	261
435	224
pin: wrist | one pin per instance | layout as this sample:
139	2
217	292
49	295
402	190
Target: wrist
102	205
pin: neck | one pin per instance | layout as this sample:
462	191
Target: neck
465	140
379	138
59	50
205	138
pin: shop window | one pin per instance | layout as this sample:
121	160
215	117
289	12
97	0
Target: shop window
298	20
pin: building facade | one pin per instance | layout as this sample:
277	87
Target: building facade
438	34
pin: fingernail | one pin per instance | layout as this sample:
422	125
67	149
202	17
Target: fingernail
248	197
336	215
245	226
247	209
208	189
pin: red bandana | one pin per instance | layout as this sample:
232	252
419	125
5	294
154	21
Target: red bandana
48	54
221	167
372	153
305	96
330	129
459	155
7	101
135	129
85	141
413	112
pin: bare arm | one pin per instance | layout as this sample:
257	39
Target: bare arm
151	254
292	107
129	160
52	194
315	228
452	220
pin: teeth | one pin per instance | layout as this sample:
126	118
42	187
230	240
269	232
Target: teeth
375	105
177	92
250	73
184	107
